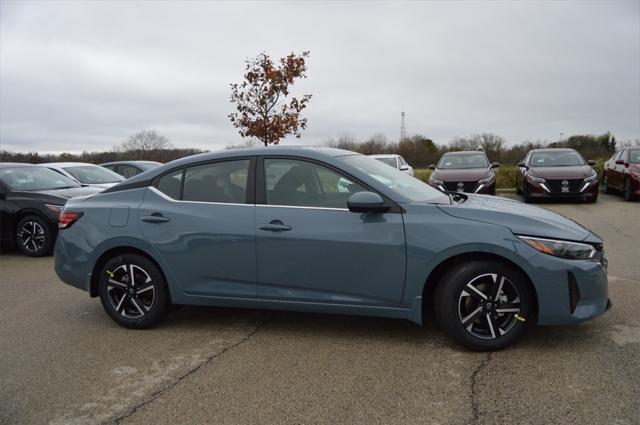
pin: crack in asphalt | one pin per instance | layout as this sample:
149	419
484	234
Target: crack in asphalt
188	373
475	410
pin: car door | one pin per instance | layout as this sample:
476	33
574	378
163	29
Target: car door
200	221
310	247
617	171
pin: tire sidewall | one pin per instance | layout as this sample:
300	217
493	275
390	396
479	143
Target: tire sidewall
49	236
448	294
161	302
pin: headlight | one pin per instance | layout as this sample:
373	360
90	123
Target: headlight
435	181
535	179
55	208
564	249
487	180
591	178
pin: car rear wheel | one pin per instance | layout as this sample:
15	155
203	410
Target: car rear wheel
484	306
133	291
34	236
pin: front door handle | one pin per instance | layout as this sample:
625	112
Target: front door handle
155	218
274	226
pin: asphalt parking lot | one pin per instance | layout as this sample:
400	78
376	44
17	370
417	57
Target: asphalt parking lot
63	361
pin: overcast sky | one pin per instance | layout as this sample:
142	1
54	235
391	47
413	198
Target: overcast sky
85	75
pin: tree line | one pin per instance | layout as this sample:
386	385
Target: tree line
420	151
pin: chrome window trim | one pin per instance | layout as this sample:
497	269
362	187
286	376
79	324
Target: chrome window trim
301	207
168	198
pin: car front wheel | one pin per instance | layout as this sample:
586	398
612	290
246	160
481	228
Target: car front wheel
484	306
34	236
133	291
628	194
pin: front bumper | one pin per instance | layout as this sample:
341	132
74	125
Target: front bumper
587	191
466	187
569	291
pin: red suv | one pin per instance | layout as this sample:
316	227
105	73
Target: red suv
622	173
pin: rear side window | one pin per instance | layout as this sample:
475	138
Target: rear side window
170	184
224	182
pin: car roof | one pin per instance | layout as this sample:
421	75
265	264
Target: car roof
384	155
132	162
66	164
310	152
462	152
15	164
553	150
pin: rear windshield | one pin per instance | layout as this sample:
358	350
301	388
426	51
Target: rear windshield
93	174
34	178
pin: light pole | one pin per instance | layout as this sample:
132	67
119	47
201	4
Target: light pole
561	134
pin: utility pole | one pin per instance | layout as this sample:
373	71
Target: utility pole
403	128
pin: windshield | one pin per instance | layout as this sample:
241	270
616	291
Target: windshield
556	159
634	156
388	161
93	174
460	161
407	186
34	178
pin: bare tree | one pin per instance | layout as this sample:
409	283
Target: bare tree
146	141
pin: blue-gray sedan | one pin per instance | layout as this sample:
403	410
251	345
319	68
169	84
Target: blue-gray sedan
327	230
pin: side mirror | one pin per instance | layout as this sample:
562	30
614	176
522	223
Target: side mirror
522	164
591	162
366	202
404	167
432	166
495	164
619	161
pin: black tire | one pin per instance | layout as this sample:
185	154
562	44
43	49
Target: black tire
126	300
484	324
626	190
605	185
518	191
34	236
527	199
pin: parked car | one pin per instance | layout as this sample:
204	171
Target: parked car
622	173
464	171
274	228
130	168
86	174
31	199
396	161
556	173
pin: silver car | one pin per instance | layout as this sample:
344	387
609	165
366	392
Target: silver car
86	174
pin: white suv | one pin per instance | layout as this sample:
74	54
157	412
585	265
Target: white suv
396	161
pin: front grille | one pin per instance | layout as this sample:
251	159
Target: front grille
468	187
574	186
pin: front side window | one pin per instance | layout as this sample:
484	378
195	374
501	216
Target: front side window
306	184
224	182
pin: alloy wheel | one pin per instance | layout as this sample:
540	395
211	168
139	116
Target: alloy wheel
131	291
489	306
32	236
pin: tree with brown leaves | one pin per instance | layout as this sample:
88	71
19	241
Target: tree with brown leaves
263	110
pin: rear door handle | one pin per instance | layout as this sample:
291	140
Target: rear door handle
155	218
275	226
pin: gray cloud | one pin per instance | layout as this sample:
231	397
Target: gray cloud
83	76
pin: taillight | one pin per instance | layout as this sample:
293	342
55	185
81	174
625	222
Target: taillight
67	218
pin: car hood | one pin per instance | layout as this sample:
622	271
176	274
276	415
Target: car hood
554	173
521	219
461	174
